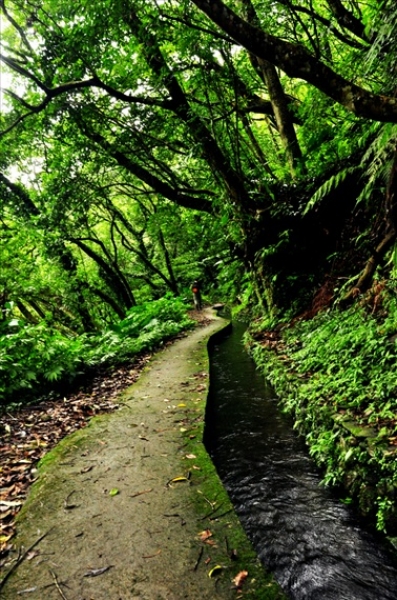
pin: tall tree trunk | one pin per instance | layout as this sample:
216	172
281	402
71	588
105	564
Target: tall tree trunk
120	312
113	275
285	125
167	258
282	115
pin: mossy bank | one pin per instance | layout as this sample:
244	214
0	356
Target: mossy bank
336	375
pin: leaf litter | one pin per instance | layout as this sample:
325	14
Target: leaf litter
27	434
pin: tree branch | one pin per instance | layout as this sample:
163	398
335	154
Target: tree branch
296	61
327	23
50	93
15	25
347	20
146	176
167	104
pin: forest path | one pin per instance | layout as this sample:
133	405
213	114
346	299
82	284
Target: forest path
115	524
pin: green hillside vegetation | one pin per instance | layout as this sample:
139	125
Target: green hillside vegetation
335	374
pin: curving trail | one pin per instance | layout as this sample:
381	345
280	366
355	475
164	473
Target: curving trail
114	526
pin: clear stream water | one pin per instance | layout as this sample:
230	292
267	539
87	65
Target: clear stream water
313	543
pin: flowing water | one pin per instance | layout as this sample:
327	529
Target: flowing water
313	543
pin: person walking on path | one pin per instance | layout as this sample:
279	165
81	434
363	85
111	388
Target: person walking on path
196	295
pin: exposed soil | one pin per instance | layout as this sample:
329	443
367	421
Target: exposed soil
119	510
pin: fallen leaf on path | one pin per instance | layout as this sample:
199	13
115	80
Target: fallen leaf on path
96	572
177	480
87	469
204	535
152	555
114	492
5	538
66	504
215	571
140	493
240	578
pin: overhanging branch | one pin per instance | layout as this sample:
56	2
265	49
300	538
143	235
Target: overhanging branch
296	61
161	187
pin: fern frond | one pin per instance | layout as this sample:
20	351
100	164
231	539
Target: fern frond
328	186
377	159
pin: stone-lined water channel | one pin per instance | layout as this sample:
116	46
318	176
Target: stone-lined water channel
313	543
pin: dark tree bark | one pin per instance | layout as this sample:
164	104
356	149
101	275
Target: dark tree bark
175	195
147	262
114	277
296	61
347	19
120	312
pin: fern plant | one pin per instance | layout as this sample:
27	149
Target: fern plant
34	357
376	161
329	186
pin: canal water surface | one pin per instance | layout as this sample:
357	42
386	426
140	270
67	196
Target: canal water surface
313	543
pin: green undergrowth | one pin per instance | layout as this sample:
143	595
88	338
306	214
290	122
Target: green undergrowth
336	375
35	359
228	546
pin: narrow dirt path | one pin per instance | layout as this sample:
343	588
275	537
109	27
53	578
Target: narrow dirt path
121	504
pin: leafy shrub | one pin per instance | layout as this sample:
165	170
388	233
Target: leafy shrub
144	328
32	357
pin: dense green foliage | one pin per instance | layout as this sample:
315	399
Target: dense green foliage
249	144
142	146
336	375
34	356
